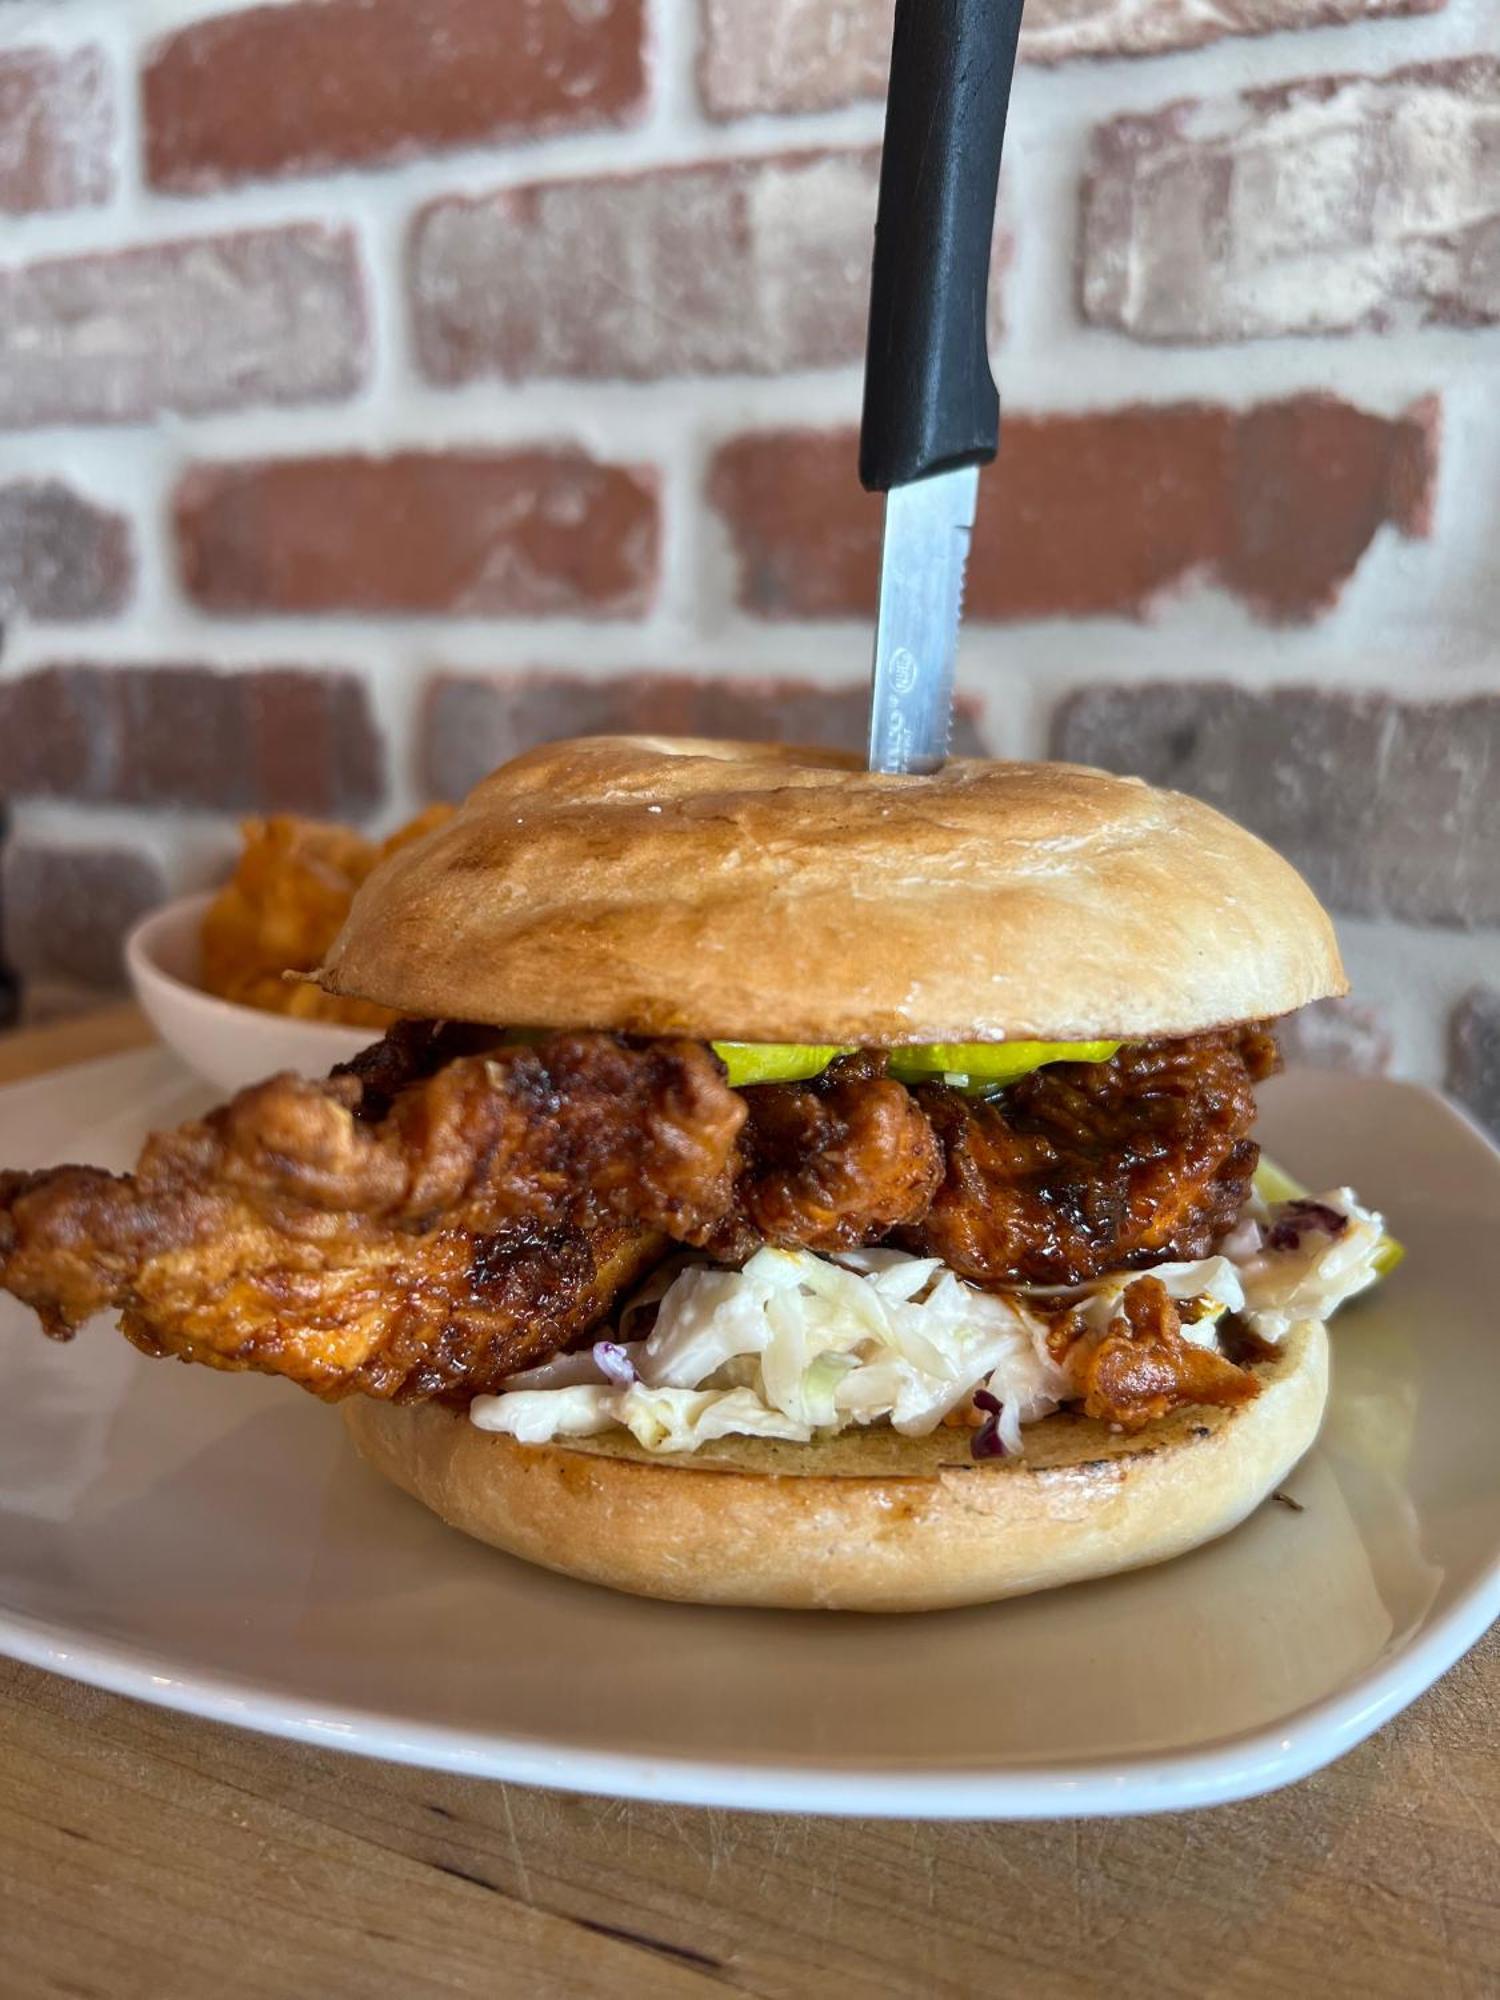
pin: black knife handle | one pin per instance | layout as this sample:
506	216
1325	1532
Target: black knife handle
930	400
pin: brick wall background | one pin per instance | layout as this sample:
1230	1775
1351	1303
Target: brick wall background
387	384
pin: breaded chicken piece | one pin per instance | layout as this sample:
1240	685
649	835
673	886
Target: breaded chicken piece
832	1164
1085	1168
448	1209
1142	1367
408	1236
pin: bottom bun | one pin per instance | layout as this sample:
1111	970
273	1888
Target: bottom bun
868	1520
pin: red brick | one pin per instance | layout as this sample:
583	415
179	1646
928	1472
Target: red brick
1338	1034
259	738
1474	1055
806	536
1060	29
791	55
1388	807
1102	514
1316	207
61	556
296	89
57	129
202	323
472	723
64	911
756	266
524	533
809	55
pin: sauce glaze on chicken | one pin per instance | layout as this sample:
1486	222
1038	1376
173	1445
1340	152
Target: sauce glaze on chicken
452	1206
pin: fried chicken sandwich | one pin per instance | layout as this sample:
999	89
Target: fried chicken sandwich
785	1185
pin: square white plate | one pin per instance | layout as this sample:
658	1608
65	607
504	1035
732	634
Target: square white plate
211	1543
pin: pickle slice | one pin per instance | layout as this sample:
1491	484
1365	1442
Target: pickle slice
986	1066
974	1066
776	1062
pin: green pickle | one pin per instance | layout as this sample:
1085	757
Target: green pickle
978	1067
1274	1183
775	1062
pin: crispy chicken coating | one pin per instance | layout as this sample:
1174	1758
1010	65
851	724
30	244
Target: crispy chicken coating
403	1237
831	1164
450	1208
1141	1368
1085	1168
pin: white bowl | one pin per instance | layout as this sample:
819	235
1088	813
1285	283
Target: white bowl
225	1043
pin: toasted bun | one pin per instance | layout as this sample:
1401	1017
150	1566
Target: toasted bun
868	1521
745	892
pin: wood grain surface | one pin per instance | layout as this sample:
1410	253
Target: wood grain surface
146	1856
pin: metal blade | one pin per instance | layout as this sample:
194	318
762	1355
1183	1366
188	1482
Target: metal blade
927	528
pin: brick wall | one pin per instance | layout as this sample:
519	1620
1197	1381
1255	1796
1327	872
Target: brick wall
386	384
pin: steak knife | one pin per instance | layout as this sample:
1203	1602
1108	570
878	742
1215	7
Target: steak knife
931	410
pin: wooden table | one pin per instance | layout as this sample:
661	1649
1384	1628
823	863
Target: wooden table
145	1856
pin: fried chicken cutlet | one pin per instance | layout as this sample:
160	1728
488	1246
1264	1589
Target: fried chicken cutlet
441	1225
1084	1168
449	1209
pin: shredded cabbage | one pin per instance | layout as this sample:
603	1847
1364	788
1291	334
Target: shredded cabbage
798	1346
1311	1277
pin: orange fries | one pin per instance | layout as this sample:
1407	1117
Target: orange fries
283	907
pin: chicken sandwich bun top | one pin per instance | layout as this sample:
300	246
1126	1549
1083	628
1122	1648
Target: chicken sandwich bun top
786	1185
748	892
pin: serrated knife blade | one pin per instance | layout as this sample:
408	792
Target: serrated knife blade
927	528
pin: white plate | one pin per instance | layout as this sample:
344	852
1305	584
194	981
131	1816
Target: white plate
211	1543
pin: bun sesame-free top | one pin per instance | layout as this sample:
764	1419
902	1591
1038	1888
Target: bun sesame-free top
755	893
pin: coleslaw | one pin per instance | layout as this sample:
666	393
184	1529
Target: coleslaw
795	1345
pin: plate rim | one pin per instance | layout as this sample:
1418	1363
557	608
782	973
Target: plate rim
1236	1767
1243	1765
